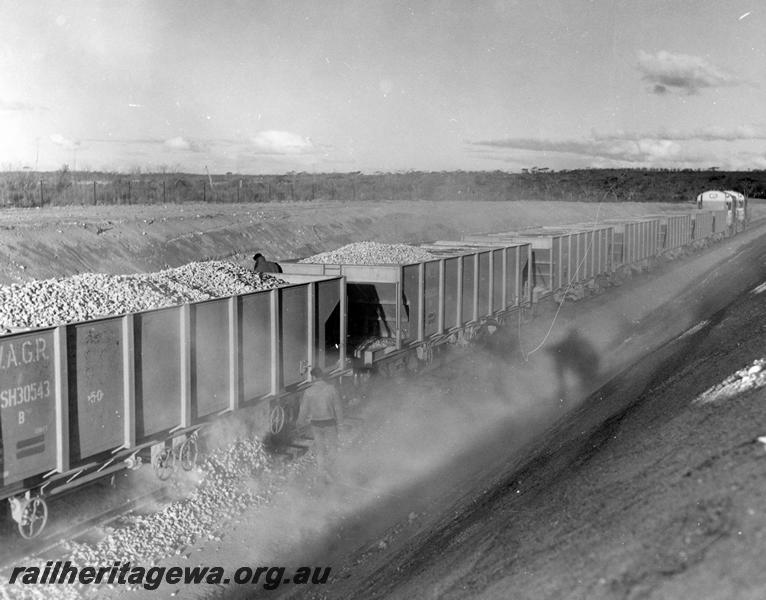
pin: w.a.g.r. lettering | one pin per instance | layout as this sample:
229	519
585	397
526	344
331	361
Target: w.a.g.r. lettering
18	353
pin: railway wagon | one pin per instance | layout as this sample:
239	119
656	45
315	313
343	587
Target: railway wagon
561	256
84	400
675	230
635	240
397	312
510	261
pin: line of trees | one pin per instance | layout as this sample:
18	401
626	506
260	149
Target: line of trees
65	187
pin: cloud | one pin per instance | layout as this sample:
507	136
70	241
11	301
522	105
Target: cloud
632	148
644	150
706	134
668	72
181	143
18	106
60	140
281	142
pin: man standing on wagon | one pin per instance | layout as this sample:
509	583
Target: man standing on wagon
264	266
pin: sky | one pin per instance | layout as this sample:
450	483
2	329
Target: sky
262	86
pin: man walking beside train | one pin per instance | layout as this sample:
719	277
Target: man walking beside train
322	408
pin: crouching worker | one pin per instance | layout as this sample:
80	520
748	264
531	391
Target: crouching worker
322	408
264	266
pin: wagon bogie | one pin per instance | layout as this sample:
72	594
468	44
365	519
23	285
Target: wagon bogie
163	461
30	513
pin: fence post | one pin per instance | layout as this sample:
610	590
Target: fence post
204	192
163	191
94	193
128	191
41	192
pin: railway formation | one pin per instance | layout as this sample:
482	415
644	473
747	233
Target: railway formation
84	399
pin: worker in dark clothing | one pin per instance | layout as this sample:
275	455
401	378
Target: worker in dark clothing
322	408
575	354
264	266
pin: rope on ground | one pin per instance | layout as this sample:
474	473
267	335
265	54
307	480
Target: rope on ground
526	355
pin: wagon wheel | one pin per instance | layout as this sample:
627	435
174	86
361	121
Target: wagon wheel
34	516
164	463
188	453
277	419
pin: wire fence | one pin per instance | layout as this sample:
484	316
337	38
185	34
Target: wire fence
64	187
31	190
150	191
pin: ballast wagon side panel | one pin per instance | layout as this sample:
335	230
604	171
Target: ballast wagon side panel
635	240
293	331
722	219
703	222
510	268
506	268
281	333
159	355
497	277
432	292
210	358
485	285
560	256
383	301
329	336
675	230
96	388
257	361
453	293
29	402
411	326
469	287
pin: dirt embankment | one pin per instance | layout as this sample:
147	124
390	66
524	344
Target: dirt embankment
60	241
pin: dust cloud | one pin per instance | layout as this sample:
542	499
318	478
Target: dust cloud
421	438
